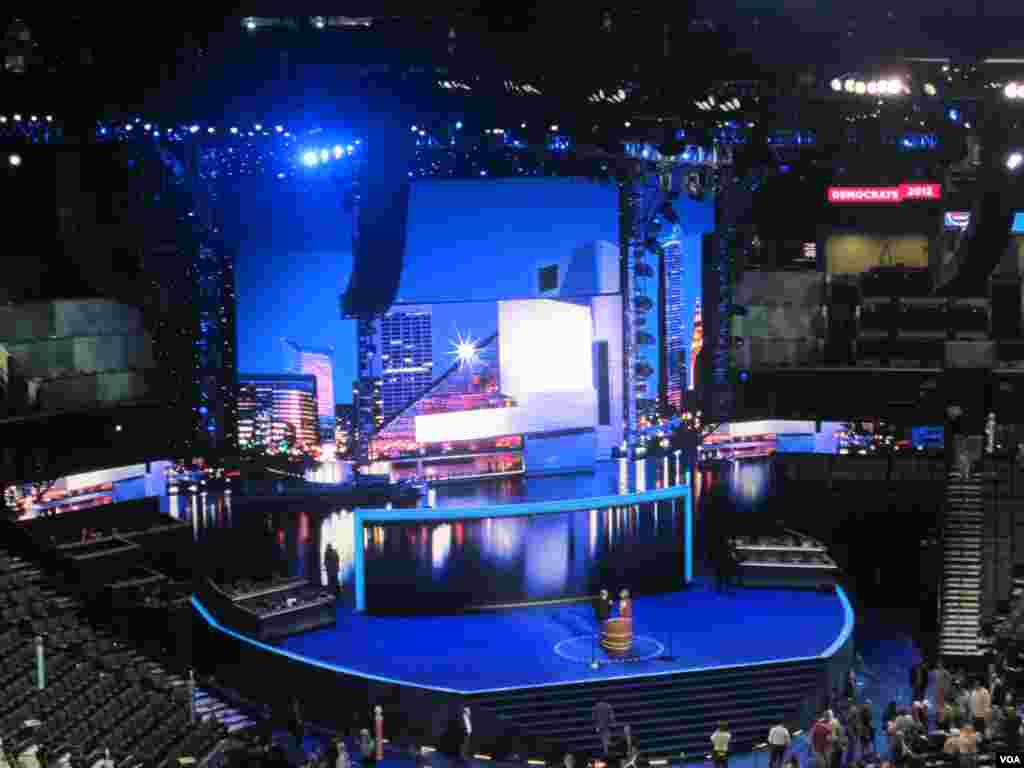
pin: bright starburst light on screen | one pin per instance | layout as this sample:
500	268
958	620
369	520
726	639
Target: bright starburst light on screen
465	351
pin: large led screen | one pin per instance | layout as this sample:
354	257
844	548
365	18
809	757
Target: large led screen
499	239
441	567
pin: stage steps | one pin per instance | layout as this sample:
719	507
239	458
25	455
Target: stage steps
668	714
960	611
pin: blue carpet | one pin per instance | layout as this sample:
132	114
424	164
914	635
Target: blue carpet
516	647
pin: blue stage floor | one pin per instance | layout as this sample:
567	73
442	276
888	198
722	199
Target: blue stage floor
524	647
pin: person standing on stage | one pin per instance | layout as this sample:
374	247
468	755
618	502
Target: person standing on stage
602	607
332	564
604	719
467	734
625	605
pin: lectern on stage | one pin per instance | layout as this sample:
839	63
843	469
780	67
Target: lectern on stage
617	636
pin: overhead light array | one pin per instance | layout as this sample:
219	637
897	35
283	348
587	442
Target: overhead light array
1014	91
454	85
890	87
522	88
710	104
610	97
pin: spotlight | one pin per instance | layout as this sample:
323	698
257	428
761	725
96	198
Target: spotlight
895	87
194	129
211	130
319	22
458	125
49	118
873	87
1011	90
14	160
324	155
1014	160
250	24
837	85
849	86
860	88
414	129
279	128
17	118
554	127
234	130
337	152
147	126
954	115
628	124
309	159
258	127
930	89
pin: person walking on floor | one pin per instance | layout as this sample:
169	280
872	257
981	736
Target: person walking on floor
981	706
467	735
604	720
943	683
779	740
919	680
332	564
821	740
720	745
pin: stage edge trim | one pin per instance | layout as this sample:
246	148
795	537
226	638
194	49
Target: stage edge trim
843	637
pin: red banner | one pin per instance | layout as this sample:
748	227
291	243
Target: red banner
885	195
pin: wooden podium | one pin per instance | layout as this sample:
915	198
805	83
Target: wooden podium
617	636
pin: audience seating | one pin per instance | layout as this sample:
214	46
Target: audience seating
100	694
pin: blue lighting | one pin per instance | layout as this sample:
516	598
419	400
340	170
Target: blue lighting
458	125
337	152
954	115
281	175
324	155
414	129
350	149
309	159
279	128
483	173
128	127
234	130
147	126
194	129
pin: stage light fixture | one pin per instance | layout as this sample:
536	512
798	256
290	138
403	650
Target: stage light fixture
14	160
895	87
337	152
234	130
194	129
849	86
17	118
258	127
279	128
49	118
324	155
873	87
309	159
930	89
837	85
1014	160
1011	91
319	22
458	125
860	88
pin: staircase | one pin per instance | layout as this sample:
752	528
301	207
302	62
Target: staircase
960	611
669	714
209	705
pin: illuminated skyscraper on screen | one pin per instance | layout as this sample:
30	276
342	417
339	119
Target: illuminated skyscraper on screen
673	358
320	364
696	344
277	412
406	362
